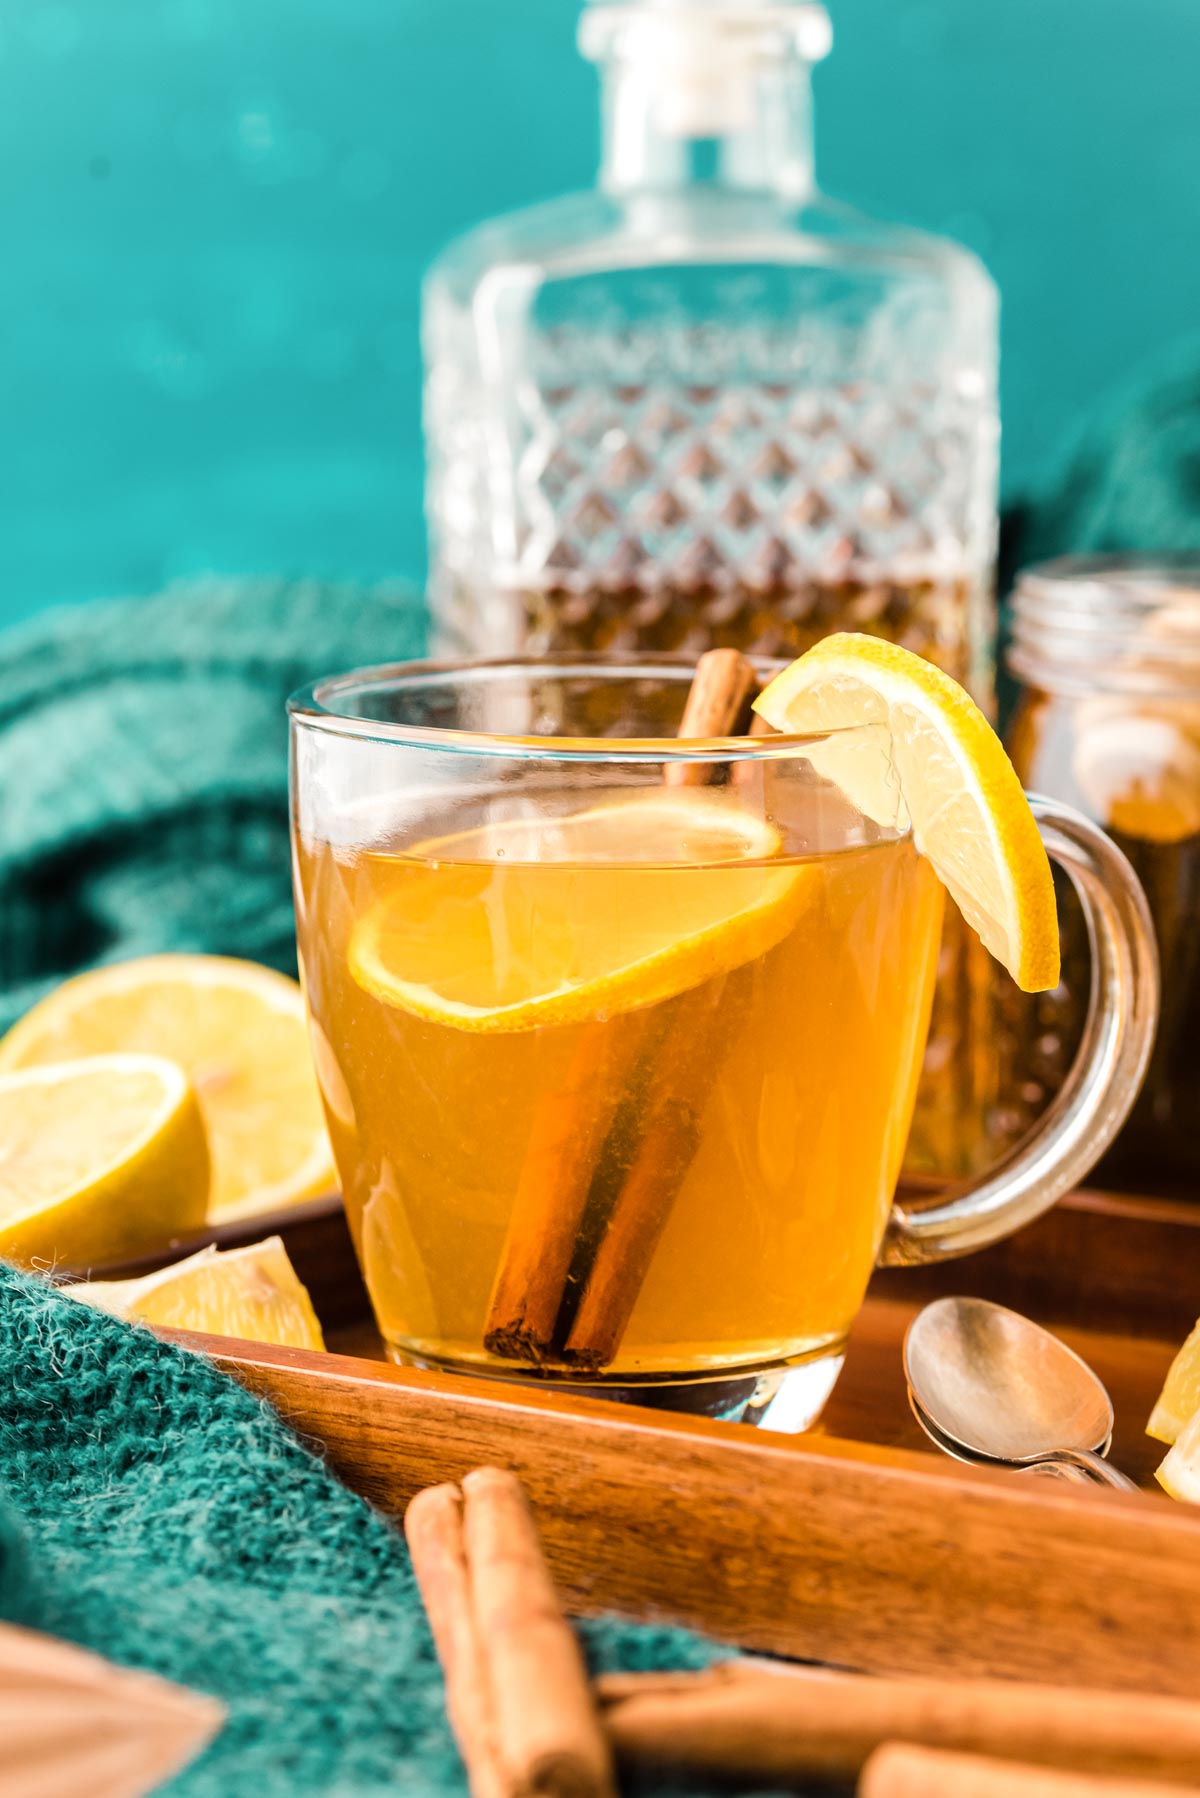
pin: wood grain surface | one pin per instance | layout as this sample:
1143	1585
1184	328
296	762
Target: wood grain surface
859	1553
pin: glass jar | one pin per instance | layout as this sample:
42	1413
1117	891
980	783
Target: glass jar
704	405
1108	720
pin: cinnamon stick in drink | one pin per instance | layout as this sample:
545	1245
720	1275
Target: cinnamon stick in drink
527	1310
718	705
677	1086
570	1122
679	1081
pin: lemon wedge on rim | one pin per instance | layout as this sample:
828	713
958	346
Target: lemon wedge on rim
240	1034
938	761
100	1160
252	1292
547	920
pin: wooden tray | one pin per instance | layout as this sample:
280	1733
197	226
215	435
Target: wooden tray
855	1544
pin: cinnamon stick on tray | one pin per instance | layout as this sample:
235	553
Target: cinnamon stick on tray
590	1206
898	1771
766	1723
433	1527
517	1692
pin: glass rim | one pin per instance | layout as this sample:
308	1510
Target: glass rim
314	707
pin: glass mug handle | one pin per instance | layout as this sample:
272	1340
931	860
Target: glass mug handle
1103	1083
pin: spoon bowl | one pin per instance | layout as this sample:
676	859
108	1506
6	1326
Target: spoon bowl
990	1385
1064	1468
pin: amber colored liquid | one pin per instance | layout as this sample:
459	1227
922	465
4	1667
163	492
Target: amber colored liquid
797	1069
961	1121
773	618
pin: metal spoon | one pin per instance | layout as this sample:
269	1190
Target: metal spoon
990	1386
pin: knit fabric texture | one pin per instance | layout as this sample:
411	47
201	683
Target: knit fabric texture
154	1512
143	763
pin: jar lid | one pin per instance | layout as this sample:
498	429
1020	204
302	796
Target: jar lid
1123	624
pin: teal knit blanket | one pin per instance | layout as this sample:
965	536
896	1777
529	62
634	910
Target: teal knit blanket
154	1512
143	769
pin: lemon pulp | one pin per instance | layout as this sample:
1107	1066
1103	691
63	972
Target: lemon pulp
938	762
252	1292
237	1030
100	1160
602	924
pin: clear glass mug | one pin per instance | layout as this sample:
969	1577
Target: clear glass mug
619	1036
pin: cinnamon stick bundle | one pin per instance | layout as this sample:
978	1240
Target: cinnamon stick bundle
589	1209
517	1692
758	1722
898	1771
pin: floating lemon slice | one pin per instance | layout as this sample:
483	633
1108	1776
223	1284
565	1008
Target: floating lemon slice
938	755
238	1031
251	1292
1179	1400
545	920
100	1160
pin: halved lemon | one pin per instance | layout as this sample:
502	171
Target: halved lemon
1179	1472
1179	1400
251	1292
100	1160
557	920
937	754
237	1030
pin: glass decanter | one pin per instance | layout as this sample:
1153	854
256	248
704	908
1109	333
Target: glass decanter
704	405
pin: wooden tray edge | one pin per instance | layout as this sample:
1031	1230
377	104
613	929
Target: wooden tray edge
813	1547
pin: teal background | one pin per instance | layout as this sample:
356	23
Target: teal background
215	214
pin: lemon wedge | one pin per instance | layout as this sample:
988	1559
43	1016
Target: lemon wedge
1179	1400
937	760
1179	1473
100	1160
237	1030
556	920
251	1292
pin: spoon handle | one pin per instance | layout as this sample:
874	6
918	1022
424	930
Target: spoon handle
1094	1466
